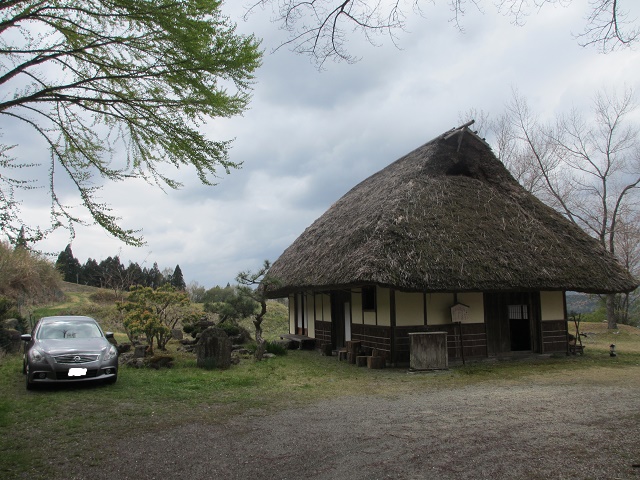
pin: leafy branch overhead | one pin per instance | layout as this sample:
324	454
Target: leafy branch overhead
114	90
320	28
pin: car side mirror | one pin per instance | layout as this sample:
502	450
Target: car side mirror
108	334
25	338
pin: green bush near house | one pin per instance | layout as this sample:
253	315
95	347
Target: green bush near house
276	348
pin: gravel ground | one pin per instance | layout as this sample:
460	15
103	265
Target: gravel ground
533	429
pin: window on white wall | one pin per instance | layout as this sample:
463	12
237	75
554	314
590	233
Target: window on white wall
518	312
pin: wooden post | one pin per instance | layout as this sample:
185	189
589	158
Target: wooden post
361	361
353	346
461	343
392	314
375	362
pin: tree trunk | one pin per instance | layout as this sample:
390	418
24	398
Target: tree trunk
611	311
259	341
257	322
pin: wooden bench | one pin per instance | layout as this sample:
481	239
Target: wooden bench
302	340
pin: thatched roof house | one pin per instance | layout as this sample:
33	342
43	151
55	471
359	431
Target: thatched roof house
445	218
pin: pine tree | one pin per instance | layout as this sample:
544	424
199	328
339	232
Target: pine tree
155	276
90	273
68	265
177	280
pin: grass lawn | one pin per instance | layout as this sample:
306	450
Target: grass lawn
78	417
81	420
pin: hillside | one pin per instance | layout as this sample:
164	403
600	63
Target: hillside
582	302
68	287
99	303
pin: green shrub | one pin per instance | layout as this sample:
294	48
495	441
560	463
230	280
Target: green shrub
276	348
230	329
190	329
104	296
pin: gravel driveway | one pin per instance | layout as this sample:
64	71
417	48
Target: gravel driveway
532	429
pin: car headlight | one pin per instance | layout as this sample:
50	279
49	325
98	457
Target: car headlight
111	352
36	355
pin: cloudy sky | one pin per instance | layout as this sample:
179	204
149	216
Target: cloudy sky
310	136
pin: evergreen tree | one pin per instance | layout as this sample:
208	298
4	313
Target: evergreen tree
112	273
177	280
90	273
155	278
134	275
68	265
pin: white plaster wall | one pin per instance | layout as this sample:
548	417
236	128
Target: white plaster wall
326	310
383	301
319	305
552	305
309	316
439	308
292	314
475	302
409	309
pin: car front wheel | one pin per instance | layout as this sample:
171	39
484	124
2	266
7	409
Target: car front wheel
28	383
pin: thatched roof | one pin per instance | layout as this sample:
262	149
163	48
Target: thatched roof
447	217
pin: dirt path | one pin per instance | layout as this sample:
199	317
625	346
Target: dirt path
514	430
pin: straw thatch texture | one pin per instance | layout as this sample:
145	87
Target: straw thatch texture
443	220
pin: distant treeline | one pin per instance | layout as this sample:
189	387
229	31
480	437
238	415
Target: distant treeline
112	274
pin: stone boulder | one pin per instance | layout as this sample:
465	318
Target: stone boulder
156	362
140	351
10	340
160	361
213	349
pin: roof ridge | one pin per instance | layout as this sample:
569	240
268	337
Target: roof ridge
460	131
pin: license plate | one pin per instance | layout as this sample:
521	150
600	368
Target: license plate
77	372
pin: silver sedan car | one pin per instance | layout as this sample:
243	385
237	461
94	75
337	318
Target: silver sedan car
69	349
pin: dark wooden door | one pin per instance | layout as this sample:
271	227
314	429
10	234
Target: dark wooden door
338	301
512	321
519	327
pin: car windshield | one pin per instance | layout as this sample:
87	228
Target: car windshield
61	330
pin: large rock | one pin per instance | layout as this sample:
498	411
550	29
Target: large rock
213	349
10	340
160	361
140	351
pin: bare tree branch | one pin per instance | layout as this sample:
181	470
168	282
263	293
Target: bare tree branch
589	166
321	28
